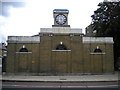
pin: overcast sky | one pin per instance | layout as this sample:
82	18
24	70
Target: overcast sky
18	19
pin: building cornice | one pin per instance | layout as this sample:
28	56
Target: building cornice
108	40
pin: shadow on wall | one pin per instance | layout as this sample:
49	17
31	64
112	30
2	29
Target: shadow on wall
3	64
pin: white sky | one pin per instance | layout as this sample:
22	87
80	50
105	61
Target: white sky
38	14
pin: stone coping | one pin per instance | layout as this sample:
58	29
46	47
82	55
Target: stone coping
23	39
63	30
98	40
97	53
23	52
61	50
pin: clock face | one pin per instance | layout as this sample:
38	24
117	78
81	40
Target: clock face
61	19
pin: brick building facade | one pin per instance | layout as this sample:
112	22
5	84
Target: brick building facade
59	49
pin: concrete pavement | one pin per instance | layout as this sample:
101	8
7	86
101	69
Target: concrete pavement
76	78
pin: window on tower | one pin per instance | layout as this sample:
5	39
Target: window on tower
23	49
61	47
97	50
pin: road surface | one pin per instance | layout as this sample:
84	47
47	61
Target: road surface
60	86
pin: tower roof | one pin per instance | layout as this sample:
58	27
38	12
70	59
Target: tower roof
60	11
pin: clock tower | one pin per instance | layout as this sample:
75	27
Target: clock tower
60	18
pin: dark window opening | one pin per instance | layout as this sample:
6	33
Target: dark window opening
98	51
61	47
23	50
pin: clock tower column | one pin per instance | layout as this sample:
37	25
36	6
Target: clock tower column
60	18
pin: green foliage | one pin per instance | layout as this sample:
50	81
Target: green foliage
106	20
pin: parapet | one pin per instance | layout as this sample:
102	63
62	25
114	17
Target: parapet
23	39
61	30
98	40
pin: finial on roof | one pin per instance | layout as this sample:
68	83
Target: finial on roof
23	46
98	47
61	43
